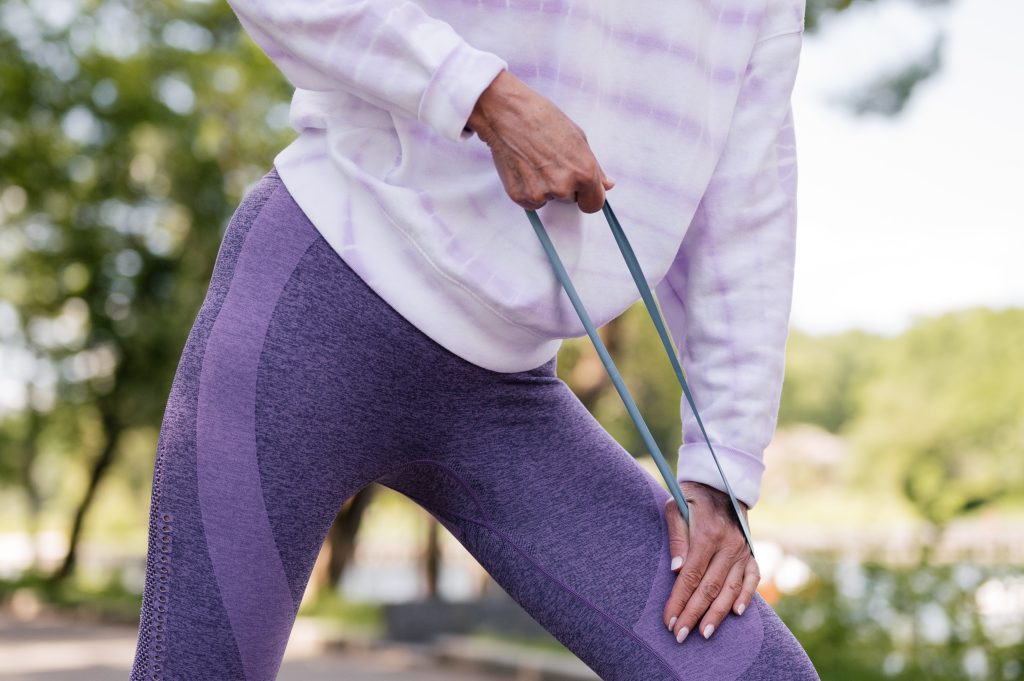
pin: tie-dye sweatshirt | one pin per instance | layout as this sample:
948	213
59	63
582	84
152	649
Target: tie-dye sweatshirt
686	105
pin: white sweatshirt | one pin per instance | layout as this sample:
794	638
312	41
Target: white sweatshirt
686	105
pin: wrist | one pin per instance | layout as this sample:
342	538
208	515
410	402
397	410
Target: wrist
494	98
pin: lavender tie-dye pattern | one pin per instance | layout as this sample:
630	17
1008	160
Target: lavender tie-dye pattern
299	385
686	105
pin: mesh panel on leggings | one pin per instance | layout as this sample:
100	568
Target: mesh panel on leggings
149	653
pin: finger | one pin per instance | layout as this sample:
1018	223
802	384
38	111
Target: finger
606	181
687	582
590	196
589	188
719	608
706	591
530	205
751	578
678	534
530	197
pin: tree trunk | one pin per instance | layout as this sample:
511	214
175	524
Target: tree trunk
112	429
589	377
341	538
432	558
30	451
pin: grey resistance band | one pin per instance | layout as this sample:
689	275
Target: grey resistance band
666	338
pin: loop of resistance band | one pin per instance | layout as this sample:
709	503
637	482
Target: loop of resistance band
655	312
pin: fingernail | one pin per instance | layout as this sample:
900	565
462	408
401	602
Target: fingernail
740	608
682	634
708	630
672	623
677	562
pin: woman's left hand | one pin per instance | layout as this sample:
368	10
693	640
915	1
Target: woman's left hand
717	572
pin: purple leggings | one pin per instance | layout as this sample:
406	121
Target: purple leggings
298	385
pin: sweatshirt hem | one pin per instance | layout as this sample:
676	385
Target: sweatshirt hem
448	314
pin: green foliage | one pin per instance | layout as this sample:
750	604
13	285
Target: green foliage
822	374
332	606
942	414
108	599
872	622
128	132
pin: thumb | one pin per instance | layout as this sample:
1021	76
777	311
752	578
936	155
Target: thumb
678	535
606	181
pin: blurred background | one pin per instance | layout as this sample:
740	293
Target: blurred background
891	526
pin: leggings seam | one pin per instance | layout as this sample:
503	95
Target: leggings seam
256	393
263	340
259	214
486	523
154	634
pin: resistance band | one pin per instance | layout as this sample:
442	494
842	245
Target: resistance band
655	312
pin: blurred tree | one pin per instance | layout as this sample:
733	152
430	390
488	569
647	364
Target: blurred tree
887	92
822	373
128	132
942	416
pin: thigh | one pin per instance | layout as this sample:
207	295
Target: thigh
572	527
271	424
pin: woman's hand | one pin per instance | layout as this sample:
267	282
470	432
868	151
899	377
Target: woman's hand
716	569
539	152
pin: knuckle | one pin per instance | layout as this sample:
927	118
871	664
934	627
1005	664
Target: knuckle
715	615
711	590
734	586
690	580
586	170
715	530
565	189
536	197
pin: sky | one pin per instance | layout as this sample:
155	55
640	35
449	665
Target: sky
917	214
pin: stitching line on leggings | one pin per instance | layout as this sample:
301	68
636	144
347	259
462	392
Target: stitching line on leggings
259	215
256	392
501	533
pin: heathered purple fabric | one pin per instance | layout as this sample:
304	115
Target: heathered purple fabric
298	385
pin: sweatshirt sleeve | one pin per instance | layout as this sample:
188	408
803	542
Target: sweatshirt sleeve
727	295
387	52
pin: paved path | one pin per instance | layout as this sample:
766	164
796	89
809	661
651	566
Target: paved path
50	648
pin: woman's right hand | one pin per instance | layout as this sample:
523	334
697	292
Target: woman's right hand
540	154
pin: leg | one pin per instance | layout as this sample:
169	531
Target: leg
273	420
571	526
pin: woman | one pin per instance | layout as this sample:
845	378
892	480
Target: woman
381	311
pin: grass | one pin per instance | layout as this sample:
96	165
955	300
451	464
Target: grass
333	609
546	644
107	599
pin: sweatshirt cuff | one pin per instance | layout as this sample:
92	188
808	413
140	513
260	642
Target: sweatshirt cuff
454	89
744	470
